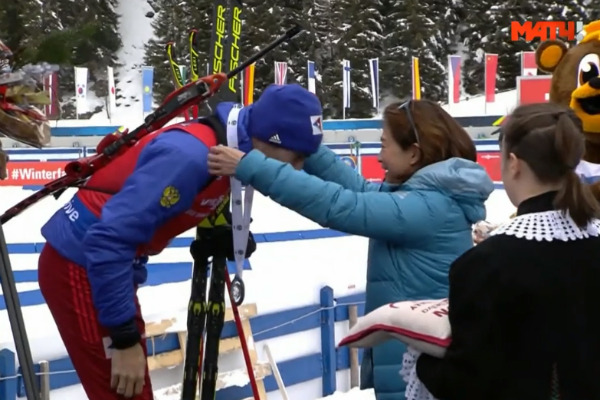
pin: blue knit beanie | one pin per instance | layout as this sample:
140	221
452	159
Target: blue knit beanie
288	116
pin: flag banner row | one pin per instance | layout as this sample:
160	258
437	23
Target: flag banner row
454	80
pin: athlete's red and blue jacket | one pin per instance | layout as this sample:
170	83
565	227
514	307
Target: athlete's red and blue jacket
160	189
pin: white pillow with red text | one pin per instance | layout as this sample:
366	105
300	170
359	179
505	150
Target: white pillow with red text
421	324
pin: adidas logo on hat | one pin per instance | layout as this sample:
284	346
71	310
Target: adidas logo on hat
275	139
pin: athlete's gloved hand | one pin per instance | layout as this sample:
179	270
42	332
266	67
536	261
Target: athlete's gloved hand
128	371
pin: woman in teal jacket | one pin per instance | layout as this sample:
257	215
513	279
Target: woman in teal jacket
419	220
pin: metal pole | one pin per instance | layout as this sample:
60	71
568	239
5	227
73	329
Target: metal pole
17	323
354	367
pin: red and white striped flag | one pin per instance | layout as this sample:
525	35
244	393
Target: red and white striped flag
280	73
528	64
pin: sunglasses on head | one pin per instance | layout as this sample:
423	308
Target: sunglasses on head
406	106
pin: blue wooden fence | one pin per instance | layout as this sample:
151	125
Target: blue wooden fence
323	364
158	273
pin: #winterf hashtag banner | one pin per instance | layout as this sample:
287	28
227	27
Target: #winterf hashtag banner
24	173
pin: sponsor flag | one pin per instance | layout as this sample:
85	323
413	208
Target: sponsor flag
491	69
374	70
81	77
454	74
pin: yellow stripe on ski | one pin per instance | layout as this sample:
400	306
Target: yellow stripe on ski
174	67
193	58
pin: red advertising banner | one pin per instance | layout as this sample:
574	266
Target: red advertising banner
23	173
371	169
533	89
490	160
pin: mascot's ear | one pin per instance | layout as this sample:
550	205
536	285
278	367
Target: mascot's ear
549	53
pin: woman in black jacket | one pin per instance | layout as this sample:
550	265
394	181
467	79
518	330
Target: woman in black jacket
525	323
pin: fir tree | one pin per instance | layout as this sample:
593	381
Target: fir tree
168	27
478	25
328	18
413	33
298	51
488	30
95	27
500	41
85	33
390	78
448	24
362	40
262	24
62	32
20	28
591	12
198	16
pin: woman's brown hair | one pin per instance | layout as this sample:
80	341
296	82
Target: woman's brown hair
549	138
426	123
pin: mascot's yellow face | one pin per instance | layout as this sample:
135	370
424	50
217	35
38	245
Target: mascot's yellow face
576	76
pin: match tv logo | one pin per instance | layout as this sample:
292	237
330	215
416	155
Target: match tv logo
545	30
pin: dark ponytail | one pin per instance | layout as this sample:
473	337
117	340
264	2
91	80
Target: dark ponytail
549	138
577	199
573	197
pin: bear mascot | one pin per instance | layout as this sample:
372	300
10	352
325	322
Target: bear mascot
576	84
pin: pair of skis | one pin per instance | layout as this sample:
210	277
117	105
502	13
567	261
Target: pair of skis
214	239
204	317
207	317
77	173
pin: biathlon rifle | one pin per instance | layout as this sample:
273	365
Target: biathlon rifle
193	93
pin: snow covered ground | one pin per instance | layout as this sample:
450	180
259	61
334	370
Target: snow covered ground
337	262
476	105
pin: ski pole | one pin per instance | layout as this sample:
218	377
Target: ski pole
242	336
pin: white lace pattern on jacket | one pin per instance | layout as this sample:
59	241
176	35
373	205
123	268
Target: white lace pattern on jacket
547	226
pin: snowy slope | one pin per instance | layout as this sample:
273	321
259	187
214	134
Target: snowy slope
135	31
476	105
